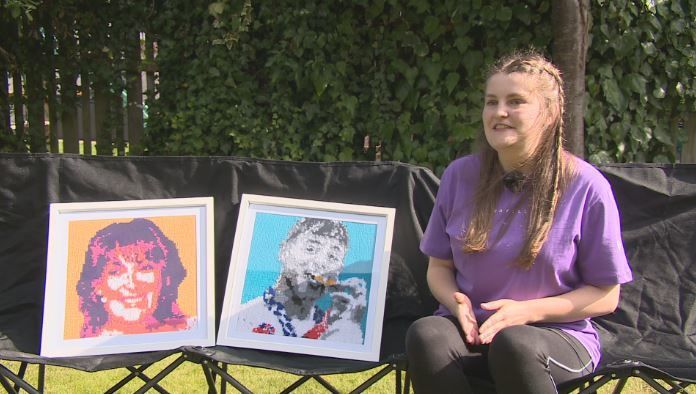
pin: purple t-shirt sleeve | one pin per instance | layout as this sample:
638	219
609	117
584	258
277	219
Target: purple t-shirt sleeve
601	257
436	241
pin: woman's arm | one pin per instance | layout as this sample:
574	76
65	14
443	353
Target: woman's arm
444	288
578	304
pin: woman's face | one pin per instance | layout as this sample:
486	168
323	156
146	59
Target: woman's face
513	115
130	284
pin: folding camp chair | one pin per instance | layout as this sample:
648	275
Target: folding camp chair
652	335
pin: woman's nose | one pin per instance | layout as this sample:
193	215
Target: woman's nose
501	111
129	276
130	280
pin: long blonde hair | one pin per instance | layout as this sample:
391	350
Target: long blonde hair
550	165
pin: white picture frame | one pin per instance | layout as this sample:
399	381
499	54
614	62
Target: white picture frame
129	276
279	297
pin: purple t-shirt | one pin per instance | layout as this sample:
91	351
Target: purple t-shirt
583	246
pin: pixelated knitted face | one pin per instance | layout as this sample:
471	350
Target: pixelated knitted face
313	257
130	283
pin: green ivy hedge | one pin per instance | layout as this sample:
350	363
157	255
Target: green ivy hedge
326	81
401	80
640	79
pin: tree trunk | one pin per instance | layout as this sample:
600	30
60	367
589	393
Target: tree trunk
570	20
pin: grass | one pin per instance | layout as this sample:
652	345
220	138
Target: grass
189	378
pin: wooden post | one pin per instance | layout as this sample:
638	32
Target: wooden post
570	27
71	142
35	90
88	132
18	101
134	91
102	105
150	53
69	104
688	154
5	122
51	85
35	110
6	60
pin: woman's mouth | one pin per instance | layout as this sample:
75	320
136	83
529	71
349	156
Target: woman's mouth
501	126
133	300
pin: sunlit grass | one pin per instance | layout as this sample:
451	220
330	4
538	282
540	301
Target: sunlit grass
189	378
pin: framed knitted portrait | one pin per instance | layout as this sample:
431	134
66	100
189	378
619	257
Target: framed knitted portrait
308	277
129	276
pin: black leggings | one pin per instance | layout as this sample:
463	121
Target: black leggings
520	359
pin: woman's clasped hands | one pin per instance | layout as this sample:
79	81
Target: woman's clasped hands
506	313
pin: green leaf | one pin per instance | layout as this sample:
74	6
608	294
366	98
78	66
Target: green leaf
350	103
613	94
403	123
649	48
504	14
662	135
421	6
346	154
376	7
661	159
677	8
678	26
432	70
451	81
606	71
347	134
403	88
473	61
462	44
432	27
659	92
601	157
522	13
617	131
637	83
451	111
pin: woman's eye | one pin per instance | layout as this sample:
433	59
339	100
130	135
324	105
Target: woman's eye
113	267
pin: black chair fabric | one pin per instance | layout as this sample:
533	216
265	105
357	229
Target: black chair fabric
654	327
653	332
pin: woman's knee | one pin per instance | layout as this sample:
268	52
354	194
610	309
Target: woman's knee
515	344
429	334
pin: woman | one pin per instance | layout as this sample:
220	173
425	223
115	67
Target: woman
130	280
525	247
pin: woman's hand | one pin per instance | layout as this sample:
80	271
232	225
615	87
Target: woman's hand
444	288
507	313
465	315
584	302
